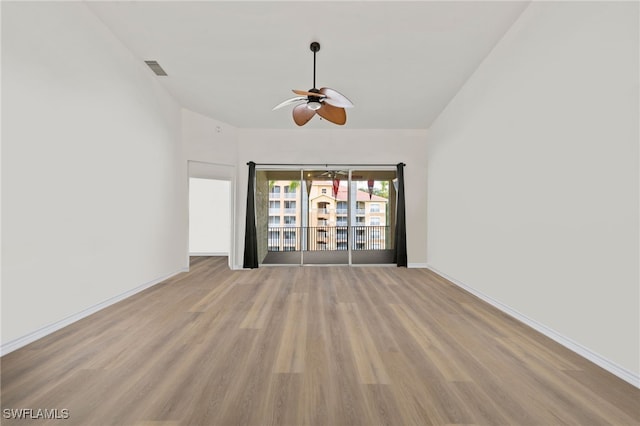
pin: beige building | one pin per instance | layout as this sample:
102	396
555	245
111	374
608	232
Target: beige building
327	227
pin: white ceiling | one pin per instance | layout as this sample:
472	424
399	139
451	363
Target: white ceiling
400	63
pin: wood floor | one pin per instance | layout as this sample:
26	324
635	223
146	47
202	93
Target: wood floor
309	346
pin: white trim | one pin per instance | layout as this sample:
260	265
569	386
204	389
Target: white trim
19	342
610	366
418	265
209	254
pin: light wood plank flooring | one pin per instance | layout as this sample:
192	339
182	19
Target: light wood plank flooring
309	346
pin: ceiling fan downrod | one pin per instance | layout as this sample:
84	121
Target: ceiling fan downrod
315	47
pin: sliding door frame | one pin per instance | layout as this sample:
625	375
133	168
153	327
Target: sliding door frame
327	167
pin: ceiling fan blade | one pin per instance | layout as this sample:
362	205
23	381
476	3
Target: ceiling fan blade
335	98
289	102
302	114
333	114
305	93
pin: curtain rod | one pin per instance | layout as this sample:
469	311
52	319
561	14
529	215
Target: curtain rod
324	164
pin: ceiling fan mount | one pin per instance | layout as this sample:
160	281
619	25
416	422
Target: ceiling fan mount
327	103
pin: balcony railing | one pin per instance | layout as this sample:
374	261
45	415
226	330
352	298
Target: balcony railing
290	195
319	238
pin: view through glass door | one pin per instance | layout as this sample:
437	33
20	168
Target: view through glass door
372	212
337	217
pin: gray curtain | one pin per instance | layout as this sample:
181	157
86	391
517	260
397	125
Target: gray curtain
400	254
250	233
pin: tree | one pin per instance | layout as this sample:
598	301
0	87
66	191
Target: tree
383	191
292	185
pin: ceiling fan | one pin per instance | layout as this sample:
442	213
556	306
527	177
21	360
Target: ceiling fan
332	174
326	102
335	174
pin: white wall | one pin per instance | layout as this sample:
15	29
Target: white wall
209	141
209	219
533	177
341	145
94	185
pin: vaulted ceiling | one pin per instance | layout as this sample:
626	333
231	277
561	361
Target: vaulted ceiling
400	63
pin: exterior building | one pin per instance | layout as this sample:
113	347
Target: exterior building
284	216
327	227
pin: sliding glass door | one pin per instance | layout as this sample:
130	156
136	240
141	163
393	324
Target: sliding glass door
336	216
327	229
372	213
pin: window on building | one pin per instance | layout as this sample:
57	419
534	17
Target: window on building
274	205
374	221
274	220
290	205
324	190
274	235
289	220
274	240
289	190
275	189
374	208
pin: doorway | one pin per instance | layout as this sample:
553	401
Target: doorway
209	218
211	201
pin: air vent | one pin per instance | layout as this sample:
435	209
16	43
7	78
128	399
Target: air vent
155	67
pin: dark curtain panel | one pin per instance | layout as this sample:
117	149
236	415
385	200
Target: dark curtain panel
400	255
250	233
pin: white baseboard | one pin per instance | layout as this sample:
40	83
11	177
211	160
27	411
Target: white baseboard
610	366
418	265
19	342
209	254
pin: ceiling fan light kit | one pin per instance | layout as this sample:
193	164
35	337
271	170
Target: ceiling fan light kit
327	103
314	105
